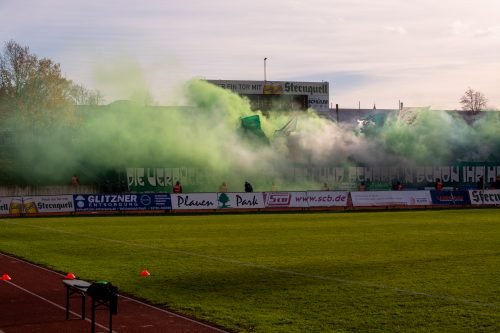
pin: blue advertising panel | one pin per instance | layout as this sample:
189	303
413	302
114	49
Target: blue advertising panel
121	202
450	197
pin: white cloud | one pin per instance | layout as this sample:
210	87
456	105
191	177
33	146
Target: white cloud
484	32
462	29
398	29
228	39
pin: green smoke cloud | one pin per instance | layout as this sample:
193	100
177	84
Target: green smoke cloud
206	135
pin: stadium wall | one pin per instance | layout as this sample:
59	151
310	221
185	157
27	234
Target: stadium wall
461	176
17	191
161	203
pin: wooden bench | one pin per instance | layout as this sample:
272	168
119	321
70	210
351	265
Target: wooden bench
76	287
102	294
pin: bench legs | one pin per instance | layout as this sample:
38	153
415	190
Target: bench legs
68	296
92	322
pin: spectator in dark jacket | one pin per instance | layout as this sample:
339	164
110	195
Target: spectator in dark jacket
248	187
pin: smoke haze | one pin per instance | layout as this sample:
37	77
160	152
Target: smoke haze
206	135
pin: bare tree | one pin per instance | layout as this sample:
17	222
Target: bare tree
33	90
16	66
84	96
473	101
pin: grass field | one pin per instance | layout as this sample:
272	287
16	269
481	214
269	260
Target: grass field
403	271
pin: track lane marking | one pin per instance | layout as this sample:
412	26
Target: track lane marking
52	303
173	314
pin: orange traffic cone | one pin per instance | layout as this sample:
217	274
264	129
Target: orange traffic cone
70	276
145	273
6	277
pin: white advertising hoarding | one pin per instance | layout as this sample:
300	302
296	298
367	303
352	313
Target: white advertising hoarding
327	199
391	198
49	204
240	200
305	199
194	201
317	93
486	197
319	103
279	87
36	204
11	205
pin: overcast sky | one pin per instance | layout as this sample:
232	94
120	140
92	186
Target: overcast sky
424	53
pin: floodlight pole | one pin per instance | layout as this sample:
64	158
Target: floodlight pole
265	78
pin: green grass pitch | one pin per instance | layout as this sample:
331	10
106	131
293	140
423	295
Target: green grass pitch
402	271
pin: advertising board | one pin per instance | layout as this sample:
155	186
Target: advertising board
285	199
486	197
121	202
240	200
278	87
305	199
317	92
194	201
326	199
391	198
48	204
450	197
11	206
319	103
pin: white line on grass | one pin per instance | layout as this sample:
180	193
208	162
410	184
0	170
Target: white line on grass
276	270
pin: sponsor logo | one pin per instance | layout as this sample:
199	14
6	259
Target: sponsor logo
445	198
485	197
240	201
272	89
112	198
15	207
145	200
80	201
223	199
58	206
185	201
30	206
318	101
278	199
109	200
323	198
309	89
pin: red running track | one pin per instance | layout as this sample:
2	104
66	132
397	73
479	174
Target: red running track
35	301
